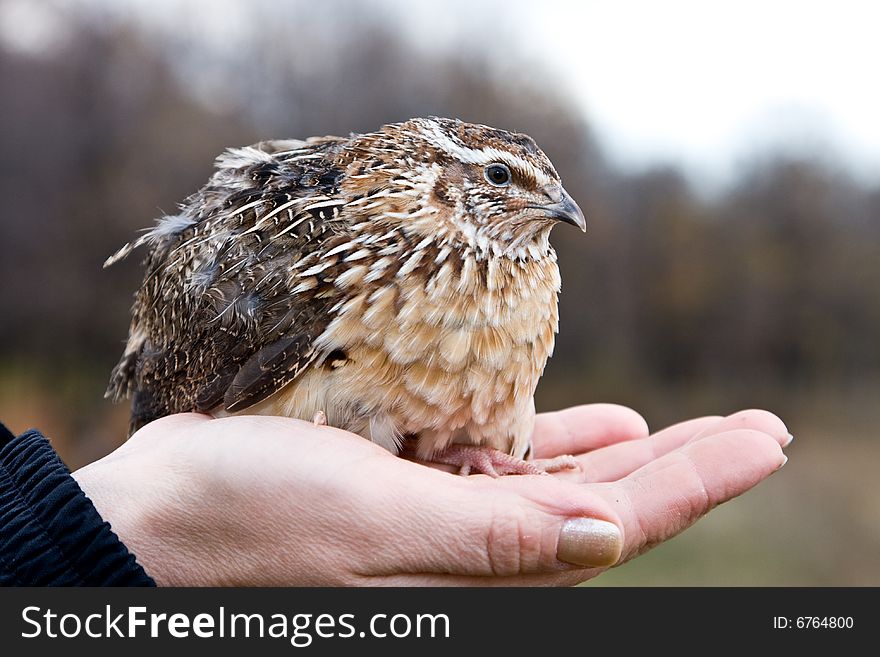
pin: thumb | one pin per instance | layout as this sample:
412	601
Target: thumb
542	524
506	527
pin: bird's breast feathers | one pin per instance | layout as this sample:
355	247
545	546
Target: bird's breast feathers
453	355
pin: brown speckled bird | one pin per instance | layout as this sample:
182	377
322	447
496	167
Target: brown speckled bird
399	284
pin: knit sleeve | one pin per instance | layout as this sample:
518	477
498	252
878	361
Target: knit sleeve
50	533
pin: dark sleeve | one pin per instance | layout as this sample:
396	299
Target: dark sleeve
50	533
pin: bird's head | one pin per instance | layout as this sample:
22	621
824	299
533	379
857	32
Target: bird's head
486	189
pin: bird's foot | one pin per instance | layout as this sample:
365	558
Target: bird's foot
320	419
472	458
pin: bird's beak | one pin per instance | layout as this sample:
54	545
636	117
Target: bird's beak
562	207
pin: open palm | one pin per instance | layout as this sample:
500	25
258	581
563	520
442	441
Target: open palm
273	501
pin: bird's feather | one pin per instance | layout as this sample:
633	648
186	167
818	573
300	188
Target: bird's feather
217	323
380	279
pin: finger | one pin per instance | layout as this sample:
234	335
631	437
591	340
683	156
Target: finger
755	419
616	461
583	428
480	527
562	578
654	503
669	494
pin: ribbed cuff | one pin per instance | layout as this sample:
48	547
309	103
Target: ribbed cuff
50	533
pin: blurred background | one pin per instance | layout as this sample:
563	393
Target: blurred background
726	154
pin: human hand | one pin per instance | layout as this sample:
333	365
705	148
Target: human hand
255	500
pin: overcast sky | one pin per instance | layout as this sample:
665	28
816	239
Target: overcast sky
703	84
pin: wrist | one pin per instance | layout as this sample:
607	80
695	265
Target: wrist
53	534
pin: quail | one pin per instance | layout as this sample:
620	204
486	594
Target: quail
398	284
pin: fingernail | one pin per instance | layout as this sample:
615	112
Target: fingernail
589	542
784	461
788	440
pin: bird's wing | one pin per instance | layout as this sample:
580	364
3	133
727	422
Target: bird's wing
225	316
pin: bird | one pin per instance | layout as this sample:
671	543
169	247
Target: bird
398	284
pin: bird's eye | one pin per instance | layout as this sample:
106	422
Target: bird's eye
497	174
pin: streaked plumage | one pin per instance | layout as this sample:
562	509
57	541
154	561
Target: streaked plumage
385	279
